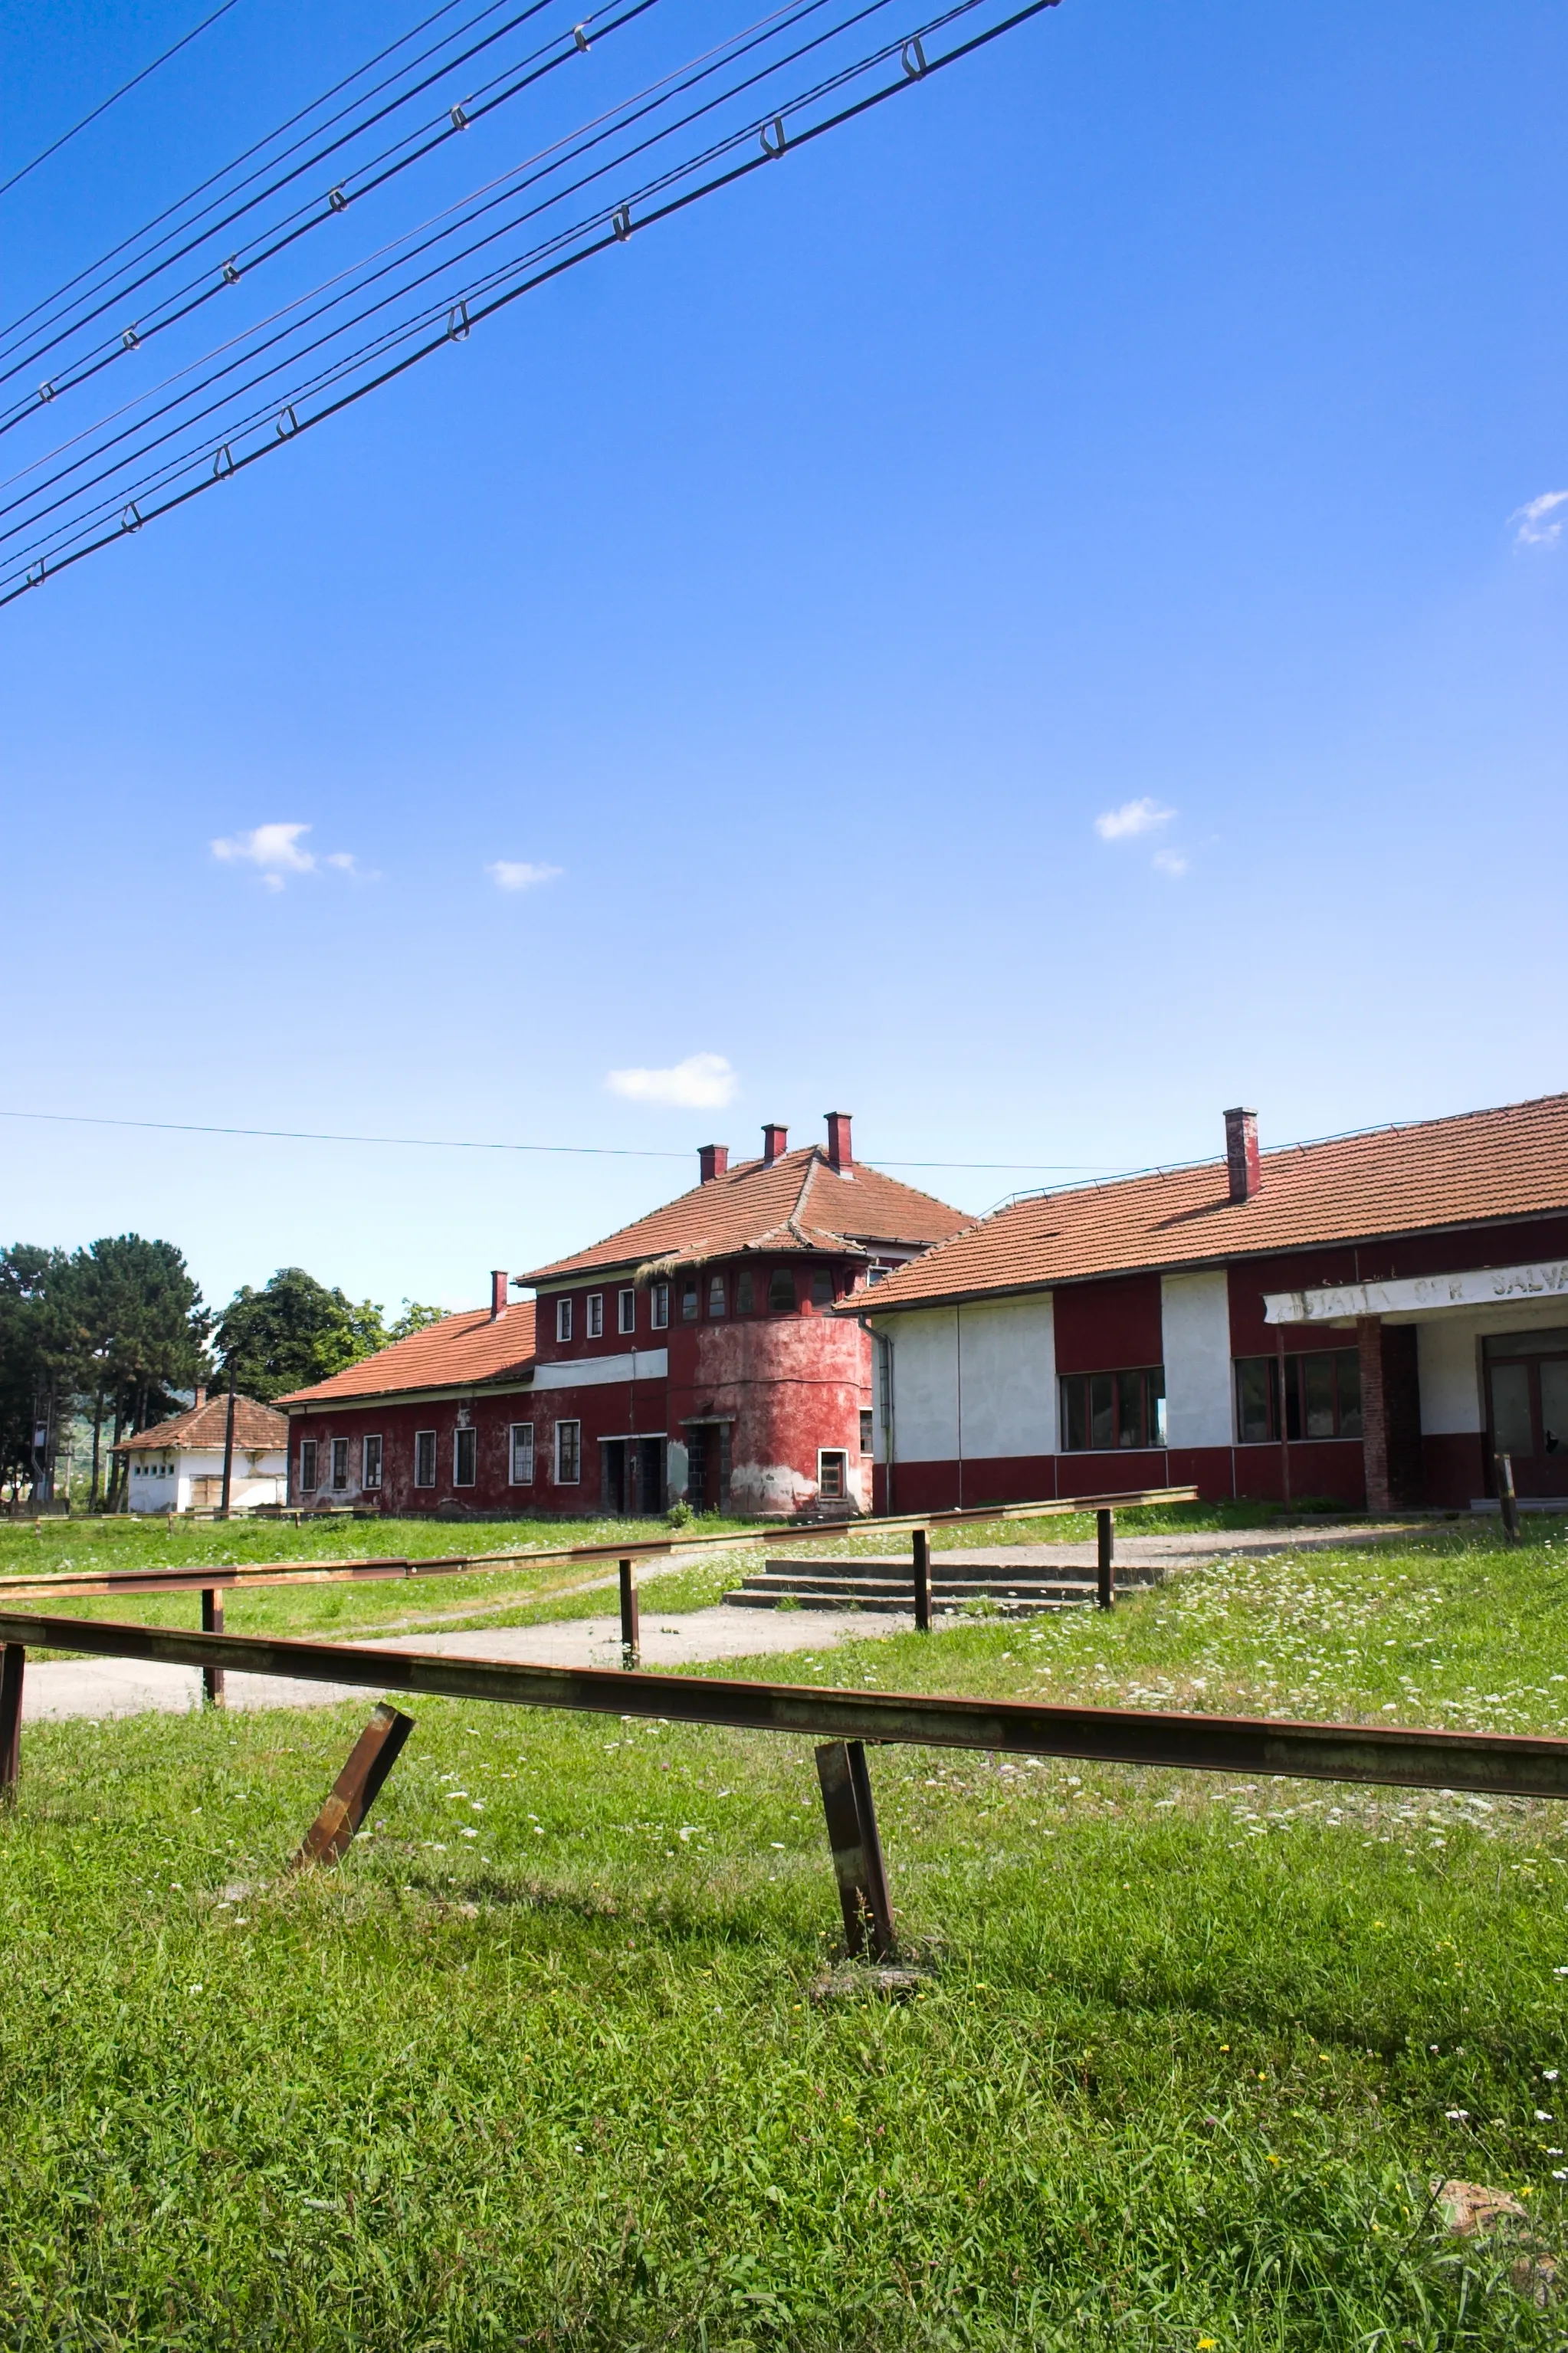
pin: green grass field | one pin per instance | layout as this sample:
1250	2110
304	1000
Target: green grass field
541	2064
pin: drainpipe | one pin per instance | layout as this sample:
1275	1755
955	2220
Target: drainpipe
885	1340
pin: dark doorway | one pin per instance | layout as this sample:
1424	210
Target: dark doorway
708	1465
1527	1406
633	1477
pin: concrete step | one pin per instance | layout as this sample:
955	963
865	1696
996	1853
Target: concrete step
901	1591
952	1570
889	1604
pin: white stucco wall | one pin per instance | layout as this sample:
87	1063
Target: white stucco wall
256	1479
1449	1382
925	1386
1007	1367
1194	1314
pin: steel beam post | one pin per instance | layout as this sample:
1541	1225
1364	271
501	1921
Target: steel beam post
1508	1502
356	1788
1106	1524
13	1662
631	1618
922	1579
212	1623
856	1850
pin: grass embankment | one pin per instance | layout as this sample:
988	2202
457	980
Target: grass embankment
540	2065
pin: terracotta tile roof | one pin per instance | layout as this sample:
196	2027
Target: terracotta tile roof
799	1202
456	1353
1483	1164
200	1429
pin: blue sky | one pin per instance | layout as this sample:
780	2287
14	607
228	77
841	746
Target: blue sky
1148	417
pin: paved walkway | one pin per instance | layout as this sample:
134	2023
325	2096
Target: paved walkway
1188	1548
99	1688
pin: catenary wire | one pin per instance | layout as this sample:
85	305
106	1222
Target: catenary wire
465	1143
113	99
256	148
36	572
472	206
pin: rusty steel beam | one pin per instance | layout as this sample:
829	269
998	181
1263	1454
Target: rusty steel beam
13	1663
106	1583
923	1581
631	1618
356	1788
1105	1557
1502	1763
857	1862
212	1623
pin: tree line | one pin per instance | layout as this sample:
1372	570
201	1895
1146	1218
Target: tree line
117	1333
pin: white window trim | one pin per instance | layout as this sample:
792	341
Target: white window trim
661	1306
563	1320
839	1454
372	1438
626	1310
514	1431
595	1315
569	1424
426	1486
462	1431
312	1487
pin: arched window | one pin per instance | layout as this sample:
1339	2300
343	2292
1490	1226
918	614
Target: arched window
781	1291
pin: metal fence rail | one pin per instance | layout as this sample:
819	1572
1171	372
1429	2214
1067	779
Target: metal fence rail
1501	1764
103	1583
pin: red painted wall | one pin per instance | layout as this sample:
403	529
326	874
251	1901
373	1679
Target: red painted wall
1106	1327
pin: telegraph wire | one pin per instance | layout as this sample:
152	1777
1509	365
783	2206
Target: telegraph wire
104	104
916	67
509	185
463	1143
257	147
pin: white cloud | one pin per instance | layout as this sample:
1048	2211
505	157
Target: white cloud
516	875
702	1082
278	851
1171	861
1534	531
1132	817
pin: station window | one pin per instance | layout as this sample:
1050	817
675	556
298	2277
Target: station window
661	1306
781	1291
340	1465
822	1286
745	1293
465	1456
688	1299
1323	1397
568	1453
716	1302
595	1315
563	1319
626	1304
424	1458
370	1465
832	1476
521	1453
307	1466
865	1428
1102	1411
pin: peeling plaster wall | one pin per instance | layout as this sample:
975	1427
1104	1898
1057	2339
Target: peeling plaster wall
1194	1316
790	1385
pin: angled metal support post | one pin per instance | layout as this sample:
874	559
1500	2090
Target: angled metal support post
12	1659
857	1848
212	1623
1508	1502
1106	1523
922	1581
631	1618
356	1788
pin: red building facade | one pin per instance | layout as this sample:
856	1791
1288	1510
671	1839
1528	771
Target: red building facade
1369	1320
695	1354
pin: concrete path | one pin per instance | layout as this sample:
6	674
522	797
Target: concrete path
99	1688
1186	1548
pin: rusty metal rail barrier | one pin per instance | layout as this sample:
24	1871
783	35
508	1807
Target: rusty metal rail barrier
1500	1763
230	1577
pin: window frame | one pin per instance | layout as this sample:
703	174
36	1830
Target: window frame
690	1299
426	1451
338	1460
868	1429
309	1455
563	1320
595	1315
821	1281
718	1284
746	1292
840	1456
778	1276
515	1433
1247	1368
1078	1411
465	1431
372	1465
660	1297
572	1478
626	1310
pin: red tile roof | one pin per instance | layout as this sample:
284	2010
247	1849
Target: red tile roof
459	1352
1469	1170
799	1202
200	1429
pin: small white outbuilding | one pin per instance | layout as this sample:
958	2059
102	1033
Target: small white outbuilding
177	1465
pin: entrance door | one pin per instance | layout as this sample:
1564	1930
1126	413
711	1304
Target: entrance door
650	1476
613	1457
1527	1404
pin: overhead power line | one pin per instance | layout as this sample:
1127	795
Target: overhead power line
462	1144
113	99
219	453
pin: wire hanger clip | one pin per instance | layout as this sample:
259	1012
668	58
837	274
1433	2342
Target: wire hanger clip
776	144
914	58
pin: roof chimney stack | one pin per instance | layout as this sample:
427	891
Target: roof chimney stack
712	1160
838	1152
200	1396
1241	1159
498	1291
775	1143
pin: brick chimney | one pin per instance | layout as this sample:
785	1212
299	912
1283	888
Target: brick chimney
201	1395
775	1143
498	1291
712	1160
838	1152
1241	1153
